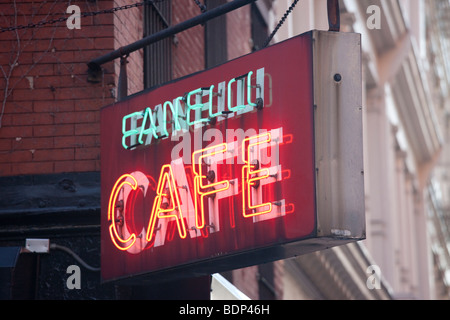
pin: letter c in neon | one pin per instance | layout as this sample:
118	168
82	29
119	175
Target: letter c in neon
115	237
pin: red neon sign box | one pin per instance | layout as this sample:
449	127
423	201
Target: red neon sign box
217	170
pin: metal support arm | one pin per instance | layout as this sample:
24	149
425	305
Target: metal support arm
94	65
334	19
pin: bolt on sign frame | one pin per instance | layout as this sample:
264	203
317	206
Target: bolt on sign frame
255	160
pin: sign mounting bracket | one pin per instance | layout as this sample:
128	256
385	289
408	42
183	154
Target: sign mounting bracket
334	19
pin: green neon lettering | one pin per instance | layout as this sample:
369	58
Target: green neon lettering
249	89
229	94
181	114
152	129
128	133
196	107
174	120
211	114
237	107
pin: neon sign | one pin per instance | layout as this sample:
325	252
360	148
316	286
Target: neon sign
167	203
214	171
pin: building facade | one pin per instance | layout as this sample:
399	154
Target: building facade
50	139
405	102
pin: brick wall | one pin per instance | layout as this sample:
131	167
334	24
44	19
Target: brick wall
188	53
50	113
246	280
128	28
238	32
188	49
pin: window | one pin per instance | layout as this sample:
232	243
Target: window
157	56
215	37
259	25
266	281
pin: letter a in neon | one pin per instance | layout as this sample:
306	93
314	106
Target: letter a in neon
167	203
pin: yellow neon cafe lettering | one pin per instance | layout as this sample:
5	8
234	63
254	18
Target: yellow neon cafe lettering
190	215
199	187
111	212
164	210
248	170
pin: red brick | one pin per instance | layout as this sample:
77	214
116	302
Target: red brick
7	119
77	141
237	24
54	8
84	56
97	165
33	143
53	56
91	104
6	47
88	117
64	166
53	130
75	166
32	168
6	60
16	156
25	119
5	144
24	19
87	129
45	82
5	169
53	110
16	132
53	106
53	154
19	107
8	10
104	43
36	46
55	31
246	281
74	44
71	69
35	94
90	32
102	19
22	82
77	93
35	69
77	117
11	36
87	153
65	117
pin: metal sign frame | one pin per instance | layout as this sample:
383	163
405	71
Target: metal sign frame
318	93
